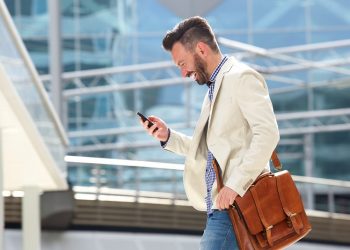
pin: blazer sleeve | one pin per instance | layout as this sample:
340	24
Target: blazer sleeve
254	102
178	143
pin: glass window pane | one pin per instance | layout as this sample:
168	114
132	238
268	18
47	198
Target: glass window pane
278	14
236	20
278	39
329	13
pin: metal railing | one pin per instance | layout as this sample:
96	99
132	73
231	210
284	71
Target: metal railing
163	183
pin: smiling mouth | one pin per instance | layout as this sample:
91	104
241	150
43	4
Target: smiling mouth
192	75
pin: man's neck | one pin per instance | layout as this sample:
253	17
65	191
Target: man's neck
214	61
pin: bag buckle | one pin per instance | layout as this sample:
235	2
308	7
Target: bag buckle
266	229
289	220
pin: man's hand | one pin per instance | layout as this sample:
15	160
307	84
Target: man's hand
161	133
225	198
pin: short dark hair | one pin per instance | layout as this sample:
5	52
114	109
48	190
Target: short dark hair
189	32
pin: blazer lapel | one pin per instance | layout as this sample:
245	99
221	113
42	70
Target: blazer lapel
225	68
202	121
203	118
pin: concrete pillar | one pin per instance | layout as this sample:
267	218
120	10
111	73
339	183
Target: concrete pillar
31	218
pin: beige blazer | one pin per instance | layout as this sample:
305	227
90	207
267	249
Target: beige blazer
240	129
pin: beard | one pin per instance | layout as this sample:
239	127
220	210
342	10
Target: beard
202	77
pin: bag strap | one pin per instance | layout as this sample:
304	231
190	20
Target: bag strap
219	181
220	184
276	161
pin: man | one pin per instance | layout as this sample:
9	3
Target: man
237	126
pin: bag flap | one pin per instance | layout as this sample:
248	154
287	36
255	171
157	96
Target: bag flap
249	213
289	193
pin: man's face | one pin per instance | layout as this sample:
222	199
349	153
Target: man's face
190	64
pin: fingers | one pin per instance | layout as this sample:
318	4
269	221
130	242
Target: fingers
144	124
152	118
222	202
151	130
232	201
225	199
158	130
159	122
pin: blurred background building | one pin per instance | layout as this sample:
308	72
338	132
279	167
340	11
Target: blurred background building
101	61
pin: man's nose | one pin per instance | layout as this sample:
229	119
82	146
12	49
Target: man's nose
184	72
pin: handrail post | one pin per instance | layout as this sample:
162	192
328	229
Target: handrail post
174	182
308	165
331	200
98	181
137	184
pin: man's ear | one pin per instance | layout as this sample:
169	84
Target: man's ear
202	49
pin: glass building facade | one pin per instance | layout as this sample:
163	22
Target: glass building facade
100	106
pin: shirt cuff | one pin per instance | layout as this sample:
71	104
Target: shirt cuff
164	143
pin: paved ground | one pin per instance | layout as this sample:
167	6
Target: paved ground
90	240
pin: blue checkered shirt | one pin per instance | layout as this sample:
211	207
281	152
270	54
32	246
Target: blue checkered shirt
209	171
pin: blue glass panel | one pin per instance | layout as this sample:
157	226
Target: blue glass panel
26	7
229	15
152	16
38	50
329	13
150	50
330	35
33	27
39	7
236	36
278	39
332	98
11	6
294	166
331	152
278	14
172	95
323	75
289	102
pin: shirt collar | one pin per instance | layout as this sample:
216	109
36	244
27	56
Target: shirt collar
216	71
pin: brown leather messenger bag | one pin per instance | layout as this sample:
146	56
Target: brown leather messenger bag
271	214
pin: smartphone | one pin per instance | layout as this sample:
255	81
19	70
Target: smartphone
144	118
